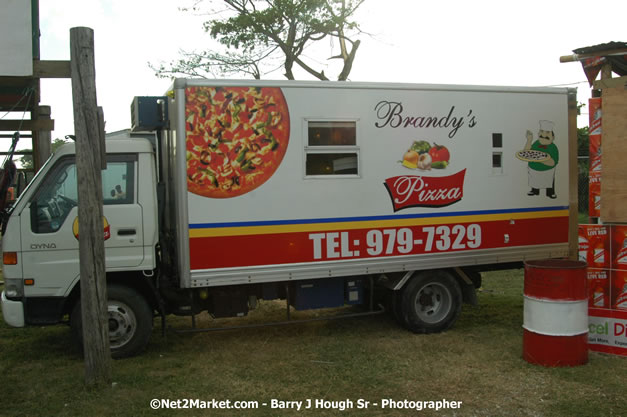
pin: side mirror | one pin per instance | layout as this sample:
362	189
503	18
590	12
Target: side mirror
34	224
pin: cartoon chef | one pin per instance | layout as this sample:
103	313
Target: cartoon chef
542	173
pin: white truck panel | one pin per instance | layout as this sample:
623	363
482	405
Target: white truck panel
294	225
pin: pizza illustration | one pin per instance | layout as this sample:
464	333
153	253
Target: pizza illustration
236	138
532	155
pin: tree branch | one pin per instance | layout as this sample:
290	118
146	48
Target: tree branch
348	62
319	75
288	26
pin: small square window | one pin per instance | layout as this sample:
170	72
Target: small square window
497	140
332	134
497	163
331	164
331	148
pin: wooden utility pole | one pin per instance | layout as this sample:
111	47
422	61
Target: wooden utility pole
91	241
41	140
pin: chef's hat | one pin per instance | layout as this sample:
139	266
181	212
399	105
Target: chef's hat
546	125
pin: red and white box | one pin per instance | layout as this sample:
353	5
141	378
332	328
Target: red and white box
595	153
594	189
594	194
607	331
595	115
604	248
599	289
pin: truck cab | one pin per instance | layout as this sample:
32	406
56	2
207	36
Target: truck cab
40	240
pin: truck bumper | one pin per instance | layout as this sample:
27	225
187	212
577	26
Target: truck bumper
13	312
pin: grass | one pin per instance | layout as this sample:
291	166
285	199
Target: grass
478	362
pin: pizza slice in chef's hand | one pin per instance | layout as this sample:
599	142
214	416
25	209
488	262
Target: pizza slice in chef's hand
532	155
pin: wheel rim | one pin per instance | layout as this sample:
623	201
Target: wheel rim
122	324
433	303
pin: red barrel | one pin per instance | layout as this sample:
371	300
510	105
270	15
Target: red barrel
555	313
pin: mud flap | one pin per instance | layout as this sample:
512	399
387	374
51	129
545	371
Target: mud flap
469	294
469	281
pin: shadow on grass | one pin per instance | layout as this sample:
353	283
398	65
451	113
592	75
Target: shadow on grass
42	342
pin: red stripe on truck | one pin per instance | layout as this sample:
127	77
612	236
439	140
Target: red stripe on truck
333	245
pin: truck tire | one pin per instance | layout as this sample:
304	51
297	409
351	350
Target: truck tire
130	322
431	302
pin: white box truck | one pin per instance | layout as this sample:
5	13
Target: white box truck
320	193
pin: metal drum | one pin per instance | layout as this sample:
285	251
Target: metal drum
555	313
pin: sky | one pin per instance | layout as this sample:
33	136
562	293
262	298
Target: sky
428	42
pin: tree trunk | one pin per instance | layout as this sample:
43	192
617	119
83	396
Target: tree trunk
289	64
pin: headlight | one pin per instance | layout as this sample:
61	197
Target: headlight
13	288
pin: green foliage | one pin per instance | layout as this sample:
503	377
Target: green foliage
26	161
250	28
583	141
262	35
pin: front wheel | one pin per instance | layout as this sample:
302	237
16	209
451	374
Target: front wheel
130	321
431	302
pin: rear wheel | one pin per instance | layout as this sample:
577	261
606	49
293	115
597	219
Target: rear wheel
431	302
130	321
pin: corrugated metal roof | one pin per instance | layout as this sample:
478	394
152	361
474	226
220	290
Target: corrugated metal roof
601	47
618	62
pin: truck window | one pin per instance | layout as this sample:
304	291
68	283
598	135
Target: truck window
55	198
331	148
118	182
58	193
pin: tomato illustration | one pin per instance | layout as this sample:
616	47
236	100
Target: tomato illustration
439	153
440	156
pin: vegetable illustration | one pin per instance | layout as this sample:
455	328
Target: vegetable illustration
424	161
421	155
439	153
410	159
420	146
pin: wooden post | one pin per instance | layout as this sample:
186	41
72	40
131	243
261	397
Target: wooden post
41	140
91	229
573	190
606	71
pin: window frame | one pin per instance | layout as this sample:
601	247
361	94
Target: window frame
498	147
131	187
331	149
66	161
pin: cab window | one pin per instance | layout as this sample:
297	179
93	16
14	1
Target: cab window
58	194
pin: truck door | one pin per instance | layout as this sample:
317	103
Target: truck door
50	225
